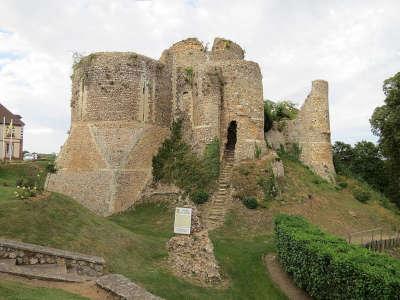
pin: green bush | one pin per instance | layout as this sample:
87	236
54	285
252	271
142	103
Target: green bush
250	202
361	195
317	181
327	267
270	186
292	152
176	163
257	151
51	167
199	196
343	184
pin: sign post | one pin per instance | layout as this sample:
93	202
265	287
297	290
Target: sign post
183	220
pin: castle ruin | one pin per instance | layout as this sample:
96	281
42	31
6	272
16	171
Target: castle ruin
123	104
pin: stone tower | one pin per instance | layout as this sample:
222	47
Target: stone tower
124	103
311	131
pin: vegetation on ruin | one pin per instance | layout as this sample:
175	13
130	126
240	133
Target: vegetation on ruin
177	164
189	75
254	183
292	152
277	112
328	267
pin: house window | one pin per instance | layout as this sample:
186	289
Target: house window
9	149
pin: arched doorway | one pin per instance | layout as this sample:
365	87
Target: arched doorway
231	136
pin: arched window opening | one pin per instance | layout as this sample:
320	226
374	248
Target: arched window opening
231	136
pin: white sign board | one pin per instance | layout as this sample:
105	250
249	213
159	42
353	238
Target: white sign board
183	220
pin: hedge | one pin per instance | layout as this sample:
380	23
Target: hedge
327	267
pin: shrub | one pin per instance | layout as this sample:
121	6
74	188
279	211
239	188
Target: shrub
270	187
25	182
292	152
51	167
343	184
23	192
327	267
189	75
361	195
257	151
199	196
250	202
317	181
176	163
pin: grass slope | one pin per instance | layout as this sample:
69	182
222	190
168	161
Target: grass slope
336	211
17	291
133	243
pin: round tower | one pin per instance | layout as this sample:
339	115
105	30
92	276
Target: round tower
226	50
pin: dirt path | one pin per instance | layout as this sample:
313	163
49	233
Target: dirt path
85	289
283	280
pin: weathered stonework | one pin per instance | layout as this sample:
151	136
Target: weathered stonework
123	105
192	256
311	131
30	254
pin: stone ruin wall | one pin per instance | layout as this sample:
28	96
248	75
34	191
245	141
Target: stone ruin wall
120	116
211	89
311	131
123	104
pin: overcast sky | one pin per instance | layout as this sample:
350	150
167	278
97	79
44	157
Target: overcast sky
354	45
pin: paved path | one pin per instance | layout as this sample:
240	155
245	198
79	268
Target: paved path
283	280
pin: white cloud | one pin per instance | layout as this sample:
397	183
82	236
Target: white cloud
354	45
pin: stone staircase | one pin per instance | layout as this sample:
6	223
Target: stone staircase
50	272
221	197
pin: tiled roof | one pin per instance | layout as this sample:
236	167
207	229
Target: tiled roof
4	112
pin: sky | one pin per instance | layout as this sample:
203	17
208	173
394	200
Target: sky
354	45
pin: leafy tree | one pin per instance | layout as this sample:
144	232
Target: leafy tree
277	111
385	123
363	161
342	157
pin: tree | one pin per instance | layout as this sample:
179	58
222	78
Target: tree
363	161
368	163
385	123
342	157
268	106
277	111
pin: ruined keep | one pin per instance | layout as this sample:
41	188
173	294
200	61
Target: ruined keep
123	104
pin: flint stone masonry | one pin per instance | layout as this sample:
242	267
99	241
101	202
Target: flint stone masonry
30	254
123	104
121	287
311	131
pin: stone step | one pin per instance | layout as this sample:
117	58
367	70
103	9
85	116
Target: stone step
51	272
121	287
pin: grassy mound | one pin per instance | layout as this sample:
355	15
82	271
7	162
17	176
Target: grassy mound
332	207
133	243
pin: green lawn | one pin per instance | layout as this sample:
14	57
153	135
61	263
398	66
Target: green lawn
133	244
17	291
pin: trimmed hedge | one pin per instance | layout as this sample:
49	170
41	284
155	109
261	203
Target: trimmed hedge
327	267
